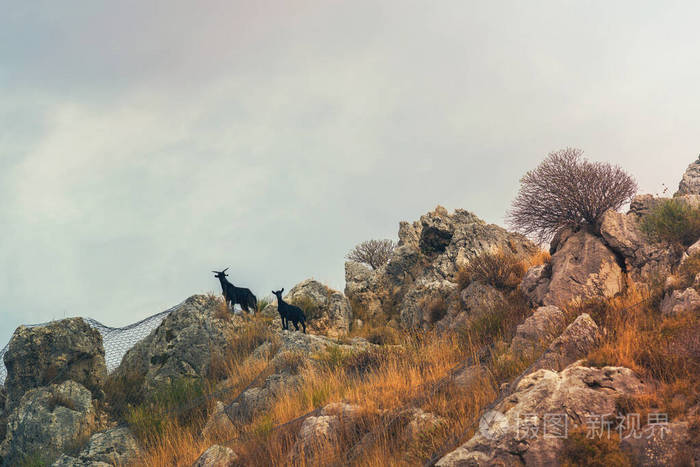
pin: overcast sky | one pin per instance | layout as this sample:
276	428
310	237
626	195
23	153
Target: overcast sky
143	144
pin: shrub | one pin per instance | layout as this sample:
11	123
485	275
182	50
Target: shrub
499	268
566	190
673	221
374	253
382	335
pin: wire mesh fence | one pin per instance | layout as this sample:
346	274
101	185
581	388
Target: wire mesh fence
116	341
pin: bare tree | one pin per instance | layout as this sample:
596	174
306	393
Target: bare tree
567	190
375	253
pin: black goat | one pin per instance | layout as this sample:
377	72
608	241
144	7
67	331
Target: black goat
233	294
289	312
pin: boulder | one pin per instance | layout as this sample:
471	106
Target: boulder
217	456
416	304
470	377
344	412
218	421
690	183
47	420
583	268
68	349
678	302
478	296
642	205
68	461
327	311
115	446
512	433
316	435
535	283
184	345
538	330
419	424
661	446
577	340
643	258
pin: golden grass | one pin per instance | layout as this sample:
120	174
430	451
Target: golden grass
383	381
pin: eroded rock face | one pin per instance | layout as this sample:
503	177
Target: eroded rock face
661	447
538	330
583	268
535	284
426	261
47	420
415	306
184	345
218	421
577	392
327	311
217	456
68	349
690	183
680	301
116	446
643	258
579	338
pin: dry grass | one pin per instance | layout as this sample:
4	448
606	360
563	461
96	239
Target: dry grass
500	268
384	381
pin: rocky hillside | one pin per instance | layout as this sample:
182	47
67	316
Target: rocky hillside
471	346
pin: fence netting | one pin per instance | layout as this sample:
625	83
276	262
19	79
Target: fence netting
116	341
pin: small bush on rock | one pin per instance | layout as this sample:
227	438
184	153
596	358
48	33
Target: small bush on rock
374	253
568	191
673	221
499	268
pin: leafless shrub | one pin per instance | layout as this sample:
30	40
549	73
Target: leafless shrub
567	190
499	268
374	253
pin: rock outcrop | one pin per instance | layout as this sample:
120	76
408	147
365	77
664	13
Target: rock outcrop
47	420
579	338
327	311
217	456
113	447
690	183
582	268
643	258
184	345
425	262
513	432
670	445
68	349
538	330
680	301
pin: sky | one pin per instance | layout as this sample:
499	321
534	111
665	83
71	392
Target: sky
143	144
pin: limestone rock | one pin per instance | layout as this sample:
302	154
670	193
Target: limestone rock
690	183
344	412
643	258
574	393
184	344
68	461
427	258
420	423
415	303
327	311
469	377
47	420
217	456
579	338
115	446
479	296
315	436
583	268
538	330
661	446
68	349
218	421
679	302
535	284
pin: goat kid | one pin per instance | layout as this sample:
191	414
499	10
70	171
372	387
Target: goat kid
289	312
232	294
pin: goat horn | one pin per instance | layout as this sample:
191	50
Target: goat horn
225	270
